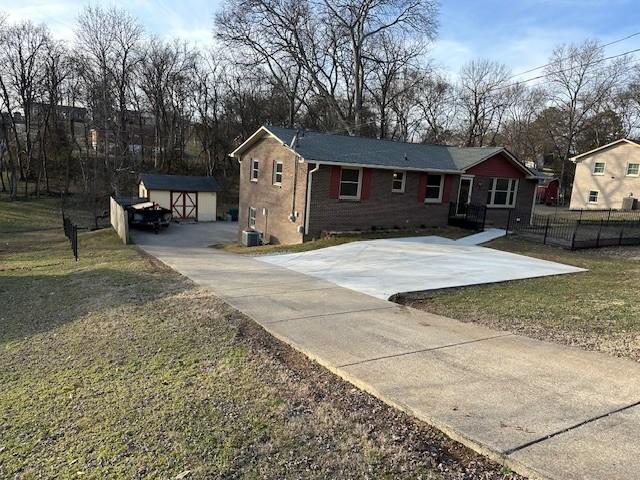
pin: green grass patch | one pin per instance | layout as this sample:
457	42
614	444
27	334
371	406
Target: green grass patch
598	309
117	367
332	241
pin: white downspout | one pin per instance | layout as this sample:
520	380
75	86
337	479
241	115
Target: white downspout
308	199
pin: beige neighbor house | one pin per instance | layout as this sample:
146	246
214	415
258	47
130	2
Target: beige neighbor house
606	176
188	197
296	186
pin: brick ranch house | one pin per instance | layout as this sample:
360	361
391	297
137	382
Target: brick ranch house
295	185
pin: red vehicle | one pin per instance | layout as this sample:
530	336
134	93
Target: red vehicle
547	191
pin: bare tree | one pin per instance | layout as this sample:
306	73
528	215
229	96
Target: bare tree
391	59
165	79
108	41
438	108
242	30
519	130
22	68
330	40
579	81
483	100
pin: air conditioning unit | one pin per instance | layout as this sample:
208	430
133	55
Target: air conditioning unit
250	238
629	203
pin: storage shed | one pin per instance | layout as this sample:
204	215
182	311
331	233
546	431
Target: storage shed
188	197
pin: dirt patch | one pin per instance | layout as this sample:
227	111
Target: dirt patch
404	446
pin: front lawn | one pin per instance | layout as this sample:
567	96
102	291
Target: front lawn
117	367
596	310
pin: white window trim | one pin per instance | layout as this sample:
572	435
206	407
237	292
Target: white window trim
434	200
492	189
350	197
255	216
404	181
255	167
593	170
626	170
589	201
275	165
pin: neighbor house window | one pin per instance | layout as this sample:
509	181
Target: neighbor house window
350	180
633	169
598	168
433	193
277	173
502	192
252	217
255	168
593	196
397	184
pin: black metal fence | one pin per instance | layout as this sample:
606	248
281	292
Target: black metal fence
573	229
592	229
71	232
468	215
585	216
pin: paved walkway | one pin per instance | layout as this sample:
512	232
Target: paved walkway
545	410
383	268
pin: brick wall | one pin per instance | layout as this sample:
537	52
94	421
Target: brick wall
498	216
382	208
278	200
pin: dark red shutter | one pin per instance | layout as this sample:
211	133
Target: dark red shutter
366	183
422	187
334	185
448	181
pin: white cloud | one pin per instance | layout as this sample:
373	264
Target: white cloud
58	16
450	55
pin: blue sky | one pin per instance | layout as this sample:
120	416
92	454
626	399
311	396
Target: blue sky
519	33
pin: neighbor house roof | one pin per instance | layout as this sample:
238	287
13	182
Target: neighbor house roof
604	147
182	183
362	151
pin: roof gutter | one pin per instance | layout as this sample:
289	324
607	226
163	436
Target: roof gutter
382	167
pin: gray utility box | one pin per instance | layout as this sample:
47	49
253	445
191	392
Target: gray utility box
250	238
629	203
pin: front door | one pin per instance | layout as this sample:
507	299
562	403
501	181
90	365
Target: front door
184	205
464	194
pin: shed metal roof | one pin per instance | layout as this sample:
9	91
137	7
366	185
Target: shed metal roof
323	147
184	183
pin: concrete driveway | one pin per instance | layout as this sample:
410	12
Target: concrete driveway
382	268
546	410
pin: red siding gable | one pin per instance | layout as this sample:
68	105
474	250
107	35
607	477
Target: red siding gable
497	166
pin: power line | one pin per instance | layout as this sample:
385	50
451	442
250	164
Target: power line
515	84
551	63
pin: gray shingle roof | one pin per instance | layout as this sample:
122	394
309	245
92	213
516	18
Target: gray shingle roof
183	183
329	148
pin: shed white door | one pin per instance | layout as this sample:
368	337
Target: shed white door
184	205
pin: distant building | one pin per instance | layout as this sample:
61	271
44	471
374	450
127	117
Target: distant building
62	112
607	177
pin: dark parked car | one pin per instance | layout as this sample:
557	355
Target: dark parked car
148	215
